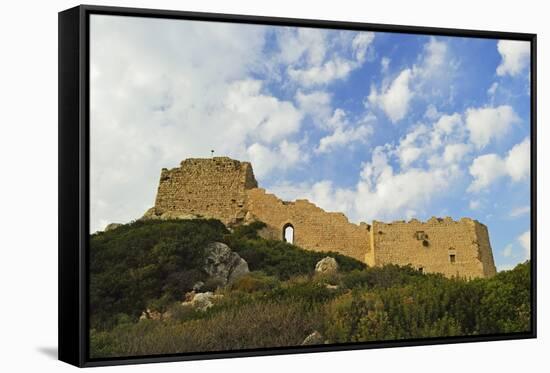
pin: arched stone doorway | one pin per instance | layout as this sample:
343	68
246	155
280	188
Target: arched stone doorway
288	233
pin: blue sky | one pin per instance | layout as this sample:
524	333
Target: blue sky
380	126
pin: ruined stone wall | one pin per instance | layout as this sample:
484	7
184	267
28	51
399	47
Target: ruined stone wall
314	228
214	187
485	251
225	189
430	246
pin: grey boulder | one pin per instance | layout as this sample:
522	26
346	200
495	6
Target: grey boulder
224	264
326	265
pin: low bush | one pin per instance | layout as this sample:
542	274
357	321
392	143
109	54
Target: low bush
257	325
179	312
421	306
255	281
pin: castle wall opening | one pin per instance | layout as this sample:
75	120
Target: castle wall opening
288	233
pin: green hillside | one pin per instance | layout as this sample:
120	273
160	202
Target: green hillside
153	264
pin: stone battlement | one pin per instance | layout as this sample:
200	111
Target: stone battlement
434	221
226	189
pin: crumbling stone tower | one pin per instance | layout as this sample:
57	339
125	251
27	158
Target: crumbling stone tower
211	188
226	189
453	248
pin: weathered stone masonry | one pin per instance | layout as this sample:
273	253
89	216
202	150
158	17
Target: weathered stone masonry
213	188
314	228
454	248
226	189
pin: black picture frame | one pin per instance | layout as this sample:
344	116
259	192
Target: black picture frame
74	165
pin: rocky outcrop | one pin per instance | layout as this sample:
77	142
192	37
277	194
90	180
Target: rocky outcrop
152	214
314	338
326	265
200	301
222	264
112	226
197	286
151	315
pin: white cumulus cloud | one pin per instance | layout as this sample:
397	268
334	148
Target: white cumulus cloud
394	99
343	130
301	43
519	211
266	159
488	123
385	193
318	57
525	242
488	168
413	145
515	56
342	136
250	109
385	64
360	44
508	250
455	153
474	204
518	161
317	104
434	60
430	77
316	75
520	249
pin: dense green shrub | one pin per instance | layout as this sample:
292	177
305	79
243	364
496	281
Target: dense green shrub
255	281
420	306
506	302
141	263
386	276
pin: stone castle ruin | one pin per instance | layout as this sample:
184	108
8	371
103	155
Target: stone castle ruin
226	189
